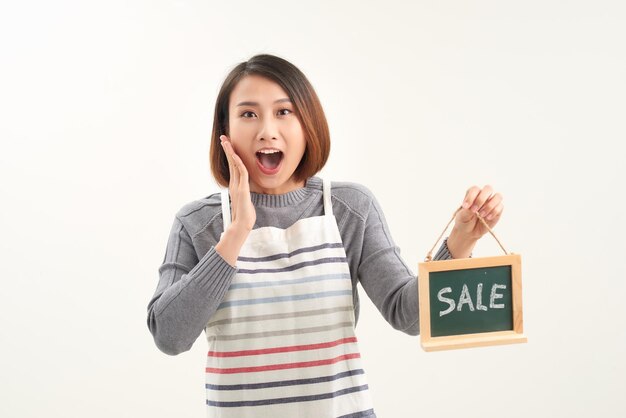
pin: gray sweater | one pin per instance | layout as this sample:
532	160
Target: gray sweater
194	278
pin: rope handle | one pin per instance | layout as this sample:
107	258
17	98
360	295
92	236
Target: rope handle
429	255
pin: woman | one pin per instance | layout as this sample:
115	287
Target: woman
269	267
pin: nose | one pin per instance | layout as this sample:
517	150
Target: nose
268	129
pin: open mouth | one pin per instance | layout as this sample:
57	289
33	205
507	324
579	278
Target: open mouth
269	161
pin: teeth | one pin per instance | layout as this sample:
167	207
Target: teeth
268	151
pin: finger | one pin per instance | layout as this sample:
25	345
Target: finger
232	161
482	197
495	214
490	205
234	175
470	195
242	173
223	140
243	187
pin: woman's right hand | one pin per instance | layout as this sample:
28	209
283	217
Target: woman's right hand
243	212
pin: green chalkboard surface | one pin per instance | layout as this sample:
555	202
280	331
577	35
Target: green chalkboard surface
470	301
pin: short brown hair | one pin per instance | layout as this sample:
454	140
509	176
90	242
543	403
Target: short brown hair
307	106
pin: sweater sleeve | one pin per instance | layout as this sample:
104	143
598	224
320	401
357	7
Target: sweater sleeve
188	293
386	278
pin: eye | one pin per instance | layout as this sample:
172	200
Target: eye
244	114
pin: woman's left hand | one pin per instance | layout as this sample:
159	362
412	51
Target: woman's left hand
468	229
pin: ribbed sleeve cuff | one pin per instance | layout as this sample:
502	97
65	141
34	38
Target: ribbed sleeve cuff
444	253
213	273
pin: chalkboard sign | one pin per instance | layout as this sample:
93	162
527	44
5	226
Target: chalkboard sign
470	302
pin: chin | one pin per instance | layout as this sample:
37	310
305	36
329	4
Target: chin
272	183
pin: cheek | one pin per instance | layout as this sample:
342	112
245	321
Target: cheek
237	128
295	127
297	136
243	154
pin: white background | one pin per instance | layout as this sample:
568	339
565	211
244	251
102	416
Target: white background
105	116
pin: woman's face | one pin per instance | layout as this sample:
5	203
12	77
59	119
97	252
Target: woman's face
261	117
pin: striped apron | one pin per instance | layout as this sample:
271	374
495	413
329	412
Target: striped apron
282	342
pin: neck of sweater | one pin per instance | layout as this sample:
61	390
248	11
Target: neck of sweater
287	199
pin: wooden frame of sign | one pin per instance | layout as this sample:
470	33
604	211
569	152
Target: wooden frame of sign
432	341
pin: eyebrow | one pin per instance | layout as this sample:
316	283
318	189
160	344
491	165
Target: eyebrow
286	99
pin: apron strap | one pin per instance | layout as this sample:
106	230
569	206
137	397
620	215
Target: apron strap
225	208
328	207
